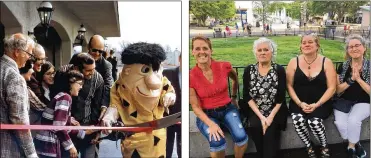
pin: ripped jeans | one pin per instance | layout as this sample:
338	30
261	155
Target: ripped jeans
230	118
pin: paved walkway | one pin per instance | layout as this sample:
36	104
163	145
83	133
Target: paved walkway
108	149
336	151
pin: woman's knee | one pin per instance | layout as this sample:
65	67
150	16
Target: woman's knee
216	146
354	121
298	118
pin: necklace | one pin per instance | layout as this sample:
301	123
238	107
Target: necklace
310	62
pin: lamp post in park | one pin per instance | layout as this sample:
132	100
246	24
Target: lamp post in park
45	11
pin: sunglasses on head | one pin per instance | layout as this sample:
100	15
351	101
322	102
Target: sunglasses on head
97	50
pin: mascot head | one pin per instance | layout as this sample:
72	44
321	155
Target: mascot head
142	72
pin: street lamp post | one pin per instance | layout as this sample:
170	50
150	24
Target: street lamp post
45	11
79	40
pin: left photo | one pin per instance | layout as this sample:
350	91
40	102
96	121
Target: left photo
90	79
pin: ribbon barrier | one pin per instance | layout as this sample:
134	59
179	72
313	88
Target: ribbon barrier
51	127
142	127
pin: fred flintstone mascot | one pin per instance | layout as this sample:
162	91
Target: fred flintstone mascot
141	94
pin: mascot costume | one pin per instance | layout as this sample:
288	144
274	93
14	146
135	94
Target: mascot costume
141	94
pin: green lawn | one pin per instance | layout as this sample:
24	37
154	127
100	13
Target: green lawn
238	51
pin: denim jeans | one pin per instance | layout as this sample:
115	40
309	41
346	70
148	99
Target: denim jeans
230	118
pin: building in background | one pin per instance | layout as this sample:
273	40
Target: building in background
98	17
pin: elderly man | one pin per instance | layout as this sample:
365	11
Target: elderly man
86	107
38	61
14	103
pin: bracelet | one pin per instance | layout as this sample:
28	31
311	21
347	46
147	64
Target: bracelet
349	81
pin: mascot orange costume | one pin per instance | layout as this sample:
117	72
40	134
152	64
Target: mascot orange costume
141	94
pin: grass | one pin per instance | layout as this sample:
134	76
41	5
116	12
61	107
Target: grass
239	52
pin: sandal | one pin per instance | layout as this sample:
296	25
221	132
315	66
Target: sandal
311	153
325	152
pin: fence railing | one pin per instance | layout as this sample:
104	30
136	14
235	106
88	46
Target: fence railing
327	33
240	70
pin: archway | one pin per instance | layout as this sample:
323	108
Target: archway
51	42
9	24
57	44
2	36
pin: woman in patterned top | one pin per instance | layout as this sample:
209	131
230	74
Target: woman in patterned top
354	85
310	83
210	101
36	106
264	87
46	79
52	143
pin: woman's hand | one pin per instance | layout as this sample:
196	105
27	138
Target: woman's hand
74	122
89	131
264	124
269	120
73	152
355	72
215	131
235	102
305	107
312	107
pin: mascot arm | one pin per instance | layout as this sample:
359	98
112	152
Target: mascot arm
168	93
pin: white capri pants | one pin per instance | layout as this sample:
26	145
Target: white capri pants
349	124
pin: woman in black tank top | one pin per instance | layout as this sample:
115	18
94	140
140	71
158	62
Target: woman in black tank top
311	84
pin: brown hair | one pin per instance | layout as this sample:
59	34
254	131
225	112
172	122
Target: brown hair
205	39
316	39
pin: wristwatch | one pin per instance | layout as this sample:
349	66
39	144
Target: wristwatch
349	81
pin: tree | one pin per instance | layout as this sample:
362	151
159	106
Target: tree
293	10
222	9
339	8
261	9
276	6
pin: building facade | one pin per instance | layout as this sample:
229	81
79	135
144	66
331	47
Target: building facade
98	18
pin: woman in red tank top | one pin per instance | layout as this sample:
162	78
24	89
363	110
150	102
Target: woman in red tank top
210	101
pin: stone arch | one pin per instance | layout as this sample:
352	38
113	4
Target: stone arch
61	50
9	21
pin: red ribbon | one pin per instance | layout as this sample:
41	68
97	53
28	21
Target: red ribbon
51	127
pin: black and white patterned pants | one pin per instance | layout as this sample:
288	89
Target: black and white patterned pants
315	124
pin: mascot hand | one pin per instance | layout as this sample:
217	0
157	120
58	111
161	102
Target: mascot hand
109	118
169	99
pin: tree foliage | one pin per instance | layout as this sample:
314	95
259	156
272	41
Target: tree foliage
339	8
222	9
261	9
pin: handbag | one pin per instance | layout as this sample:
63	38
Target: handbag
343	105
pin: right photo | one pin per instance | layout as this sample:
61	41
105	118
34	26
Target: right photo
279	79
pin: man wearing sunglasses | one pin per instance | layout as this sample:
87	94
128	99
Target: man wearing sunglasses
38	60
14	102
104	67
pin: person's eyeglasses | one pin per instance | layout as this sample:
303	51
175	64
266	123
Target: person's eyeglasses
97	50
50	73
355	46
31	55
80	83
41	59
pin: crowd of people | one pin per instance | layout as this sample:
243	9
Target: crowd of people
79	93
308	79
